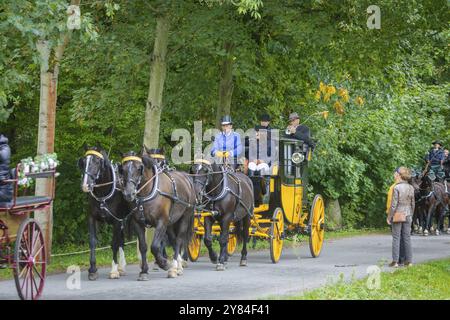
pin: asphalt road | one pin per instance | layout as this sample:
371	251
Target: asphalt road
295	272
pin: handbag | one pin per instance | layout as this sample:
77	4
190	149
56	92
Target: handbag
399	217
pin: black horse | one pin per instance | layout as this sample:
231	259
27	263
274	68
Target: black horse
162	199
433	199
106	205
230	197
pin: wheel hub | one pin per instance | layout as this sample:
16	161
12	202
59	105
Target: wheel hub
30	261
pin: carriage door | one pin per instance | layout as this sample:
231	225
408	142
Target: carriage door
291	185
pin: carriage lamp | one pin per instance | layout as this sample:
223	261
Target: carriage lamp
297	157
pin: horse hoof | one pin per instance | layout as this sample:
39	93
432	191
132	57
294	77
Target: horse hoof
437	232
448	231
143	277
122	273
172	273
184	264
180	272
165	266
93	276
220	267
114	275
243	263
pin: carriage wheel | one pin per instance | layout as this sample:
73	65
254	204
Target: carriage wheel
194	247
276	235
29	260
232	243
316	223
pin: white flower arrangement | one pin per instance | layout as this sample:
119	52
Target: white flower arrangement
42	163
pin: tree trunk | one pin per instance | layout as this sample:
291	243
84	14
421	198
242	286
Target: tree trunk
158	71
226	84
47	121
154	105
46	136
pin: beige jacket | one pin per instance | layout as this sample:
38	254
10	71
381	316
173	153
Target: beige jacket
402	199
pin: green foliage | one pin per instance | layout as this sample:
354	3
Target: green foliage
279	61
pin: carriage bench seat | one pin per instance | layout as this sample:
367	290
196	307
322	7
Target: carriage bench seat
26	201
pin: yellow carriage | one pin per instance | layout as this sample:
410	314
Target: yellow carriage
284	208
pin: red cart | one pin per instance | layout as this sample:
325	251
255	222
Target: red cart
22	245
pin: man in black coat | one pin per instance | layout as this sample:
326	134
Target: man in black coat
6	190
297	130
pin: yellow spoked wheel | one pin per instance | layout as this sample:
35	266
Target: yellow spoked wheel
194	247
317	226
276	235
232	244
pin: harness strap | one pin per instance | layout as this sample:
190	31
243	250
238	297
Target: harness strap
238	196
113	188
156	190
104	206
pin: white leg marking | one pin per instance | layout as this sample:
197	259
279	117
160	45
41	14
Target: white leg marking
122	262
180	265
173	270
114	274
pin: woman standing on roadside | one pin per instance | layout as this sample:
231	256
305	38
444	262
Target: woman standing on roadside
400	216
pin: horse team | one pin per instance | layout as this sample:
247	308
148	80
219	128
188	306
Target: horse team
432	203
142	191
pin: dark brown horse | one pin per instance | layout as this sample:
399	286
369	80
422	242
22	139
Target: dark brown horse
161	199
441	208
434	199
106	204
229	196
417	221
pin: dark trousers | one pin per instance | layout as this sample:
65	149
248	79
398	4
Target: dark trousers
6	193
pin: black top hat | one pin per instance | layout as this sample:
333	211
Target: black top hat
264	117
226	120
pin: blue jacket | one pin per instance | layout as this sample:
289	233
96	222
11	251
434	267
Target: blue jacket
230	143
435	156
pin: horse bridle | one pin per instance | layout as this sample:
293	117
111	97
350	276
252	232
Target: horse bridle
137	159
96	177
88	154
208	173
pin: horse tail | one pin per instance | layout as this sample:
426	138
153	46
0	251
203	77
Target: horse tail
190	228
243	225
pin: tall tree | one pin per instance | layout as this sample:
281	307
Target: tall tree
44	25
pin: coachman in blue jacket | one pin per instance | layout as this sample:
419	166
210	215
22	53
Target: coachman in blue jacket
227	141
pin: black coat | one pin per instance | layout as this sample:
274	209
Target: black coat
5	159
259	153
303	133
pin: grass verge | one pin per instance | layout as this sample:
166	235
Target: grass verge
60	264
428	281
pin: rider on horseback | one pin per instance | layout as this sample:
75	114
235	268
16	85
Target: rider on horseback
435	159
